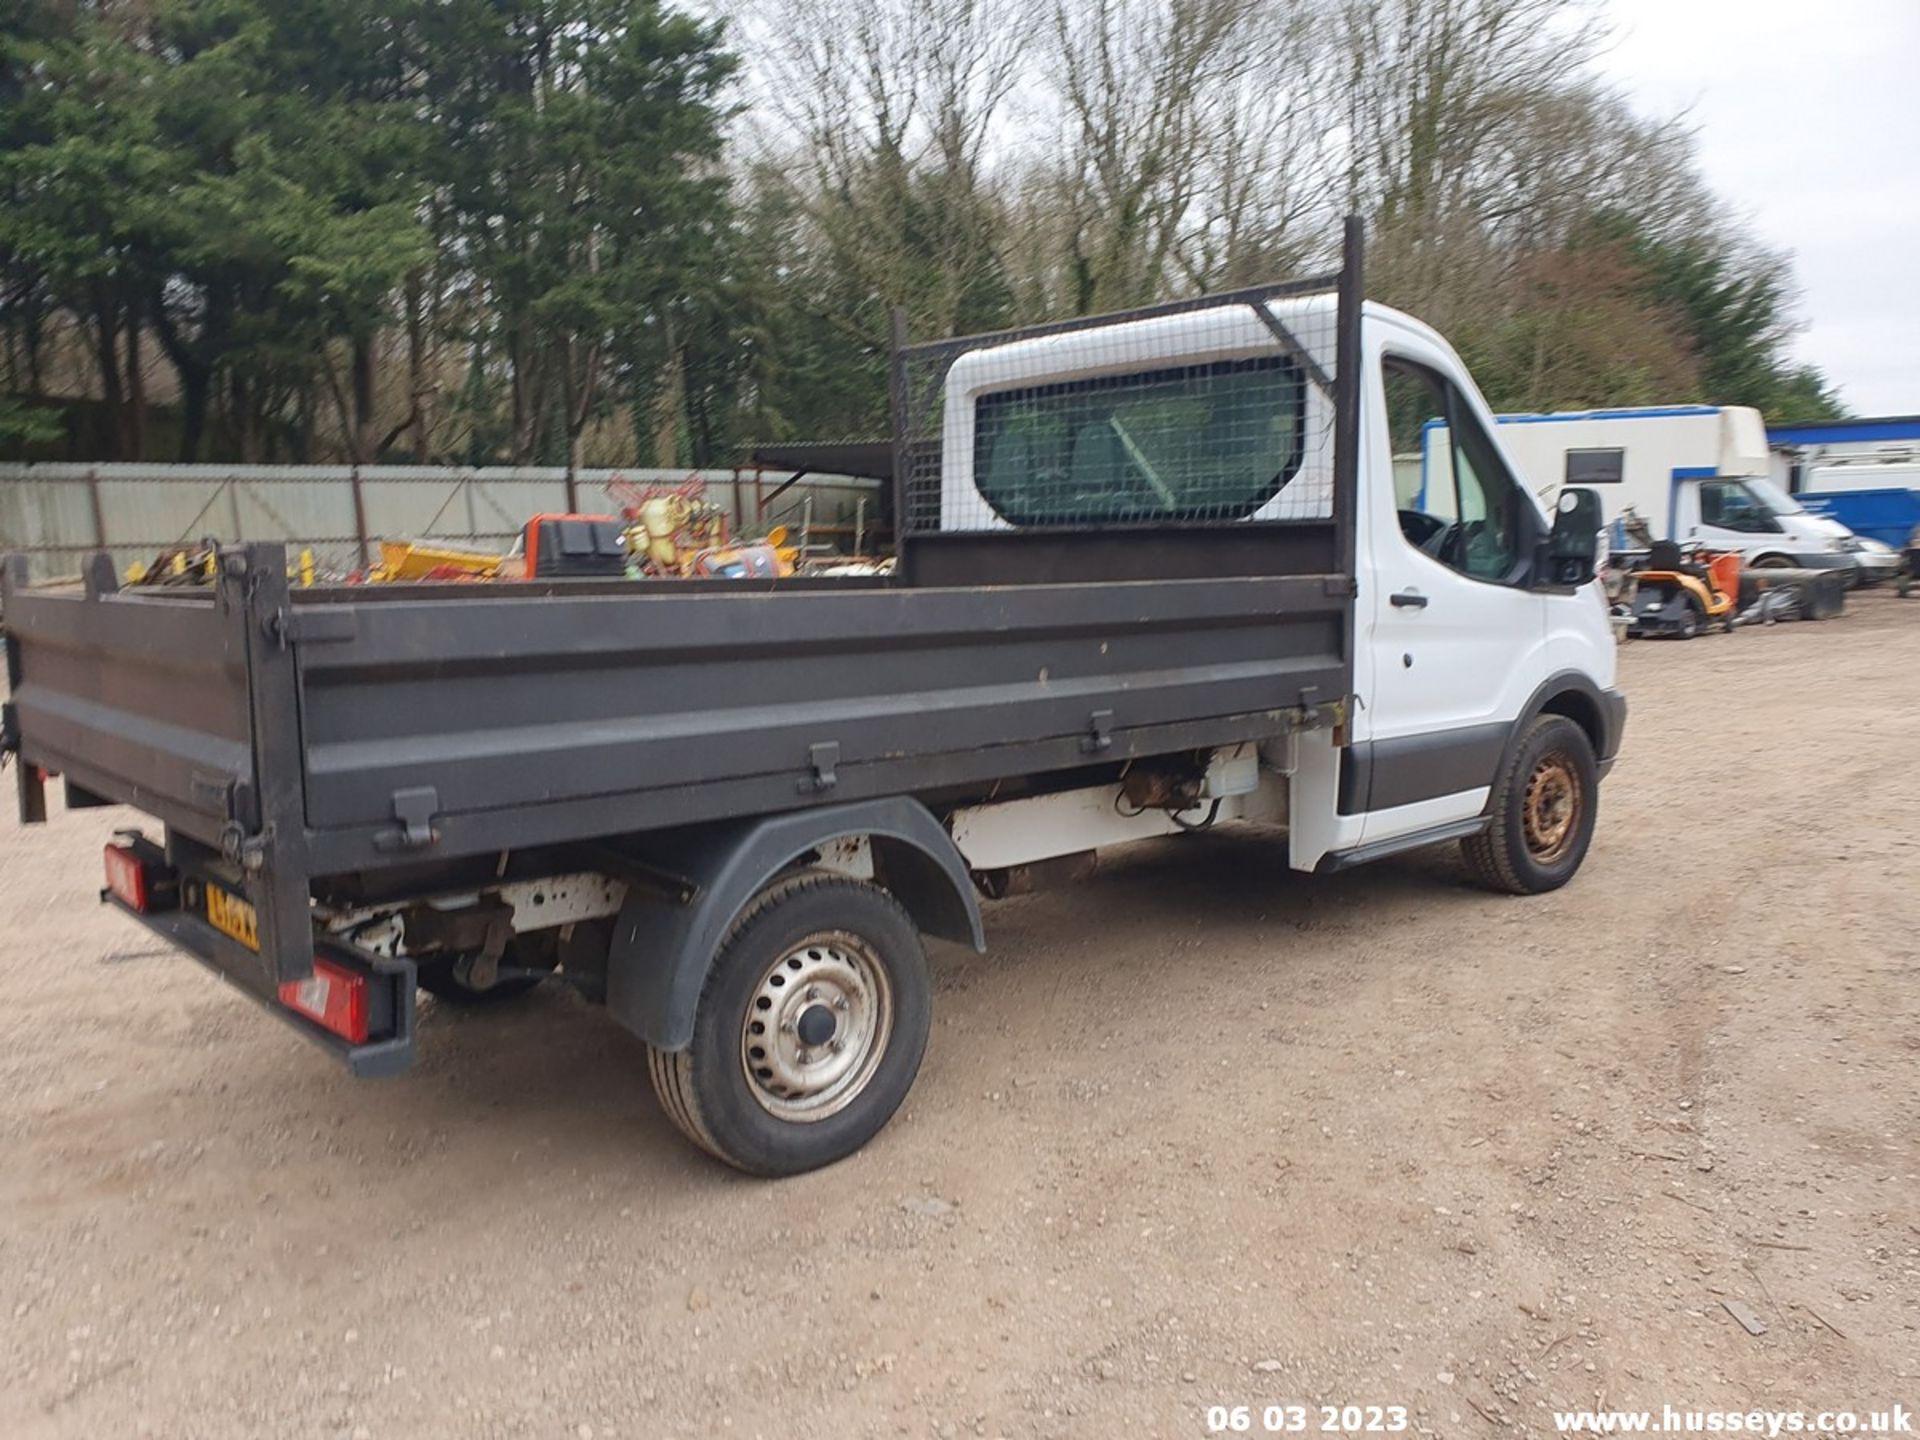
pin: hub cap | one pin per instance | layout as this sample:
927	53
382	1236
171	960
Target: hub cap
816	1027
1552	815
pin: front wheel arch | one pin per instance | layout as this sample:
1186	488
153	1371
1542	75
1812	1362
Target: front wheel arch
1572	694
1579	707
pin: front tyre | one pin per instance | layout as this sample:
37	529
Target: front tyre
1541	813
809	1031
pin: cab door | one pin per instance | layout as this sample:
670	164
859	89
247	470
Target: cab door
1454	629
1730	516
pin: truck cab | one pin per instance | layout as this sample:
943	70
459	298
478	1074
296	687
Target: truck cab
1467	617
1752	516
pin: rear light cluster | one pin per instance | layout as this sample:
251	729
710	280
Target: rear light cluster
333	997
127	877
139	877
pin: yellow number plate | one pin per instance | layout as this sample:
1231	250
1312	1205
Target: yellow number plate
232	916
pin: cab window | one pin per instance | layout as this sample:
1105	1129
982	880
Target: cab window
1193	443
1458	503
1729	505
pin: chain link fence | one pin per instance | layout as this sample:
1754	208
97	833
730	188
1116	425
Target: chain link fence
58	514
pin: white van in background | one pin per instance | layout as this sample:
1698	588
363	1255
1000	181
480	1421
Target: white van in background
1691	472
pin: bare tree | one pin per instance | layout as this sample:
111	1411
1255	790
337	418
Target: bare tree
1262	188
893	111
1173	136
1476	139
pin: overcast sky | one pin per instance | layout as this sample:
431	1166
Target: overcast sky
1809	120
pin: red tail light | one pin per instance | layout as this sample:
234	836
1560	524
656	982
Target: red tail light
333	997
127	877
138	875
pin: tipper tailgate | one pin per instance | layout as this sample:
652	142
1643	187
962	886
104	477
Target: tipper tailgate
181	704
135	698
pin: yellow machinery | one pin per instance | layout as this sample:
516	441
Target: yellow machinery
199	565
402	560
671	534
679	532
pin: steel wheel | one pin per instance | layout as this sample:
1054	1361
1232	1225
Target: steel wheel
819	1023
1540	814
835	959
1551	816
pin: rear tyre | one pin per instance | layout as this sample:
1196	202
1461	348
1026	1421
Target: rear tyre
1542	811
809	1032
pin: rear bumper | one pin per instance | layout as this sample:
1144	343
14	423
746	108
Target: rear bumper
1613	722
1878	568
391	991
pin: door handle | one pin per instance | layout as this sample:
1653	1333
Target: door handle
1409	600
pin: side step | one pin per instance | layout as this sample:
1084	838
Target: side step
1418	839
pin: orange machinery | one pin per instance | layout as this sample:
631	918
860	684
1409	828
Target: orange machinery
1680	594
551	547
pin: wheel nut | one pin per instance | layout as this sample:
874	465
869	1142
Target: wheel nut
813	992
805	1057
840	1002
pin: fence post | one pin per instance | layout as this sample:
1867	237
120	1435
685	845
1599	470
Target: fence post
99	511
359	516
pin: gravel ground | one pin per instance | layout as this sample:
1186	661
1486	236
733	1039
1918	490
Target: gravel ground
1197	1132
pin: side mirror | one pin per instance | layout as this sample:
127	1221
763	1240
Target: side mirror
1572	550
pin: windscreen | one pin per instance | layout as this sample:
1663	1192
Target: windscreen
1773	497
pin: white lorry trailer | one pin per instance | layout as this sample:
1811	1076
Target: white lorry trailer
1153	577
1691	472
